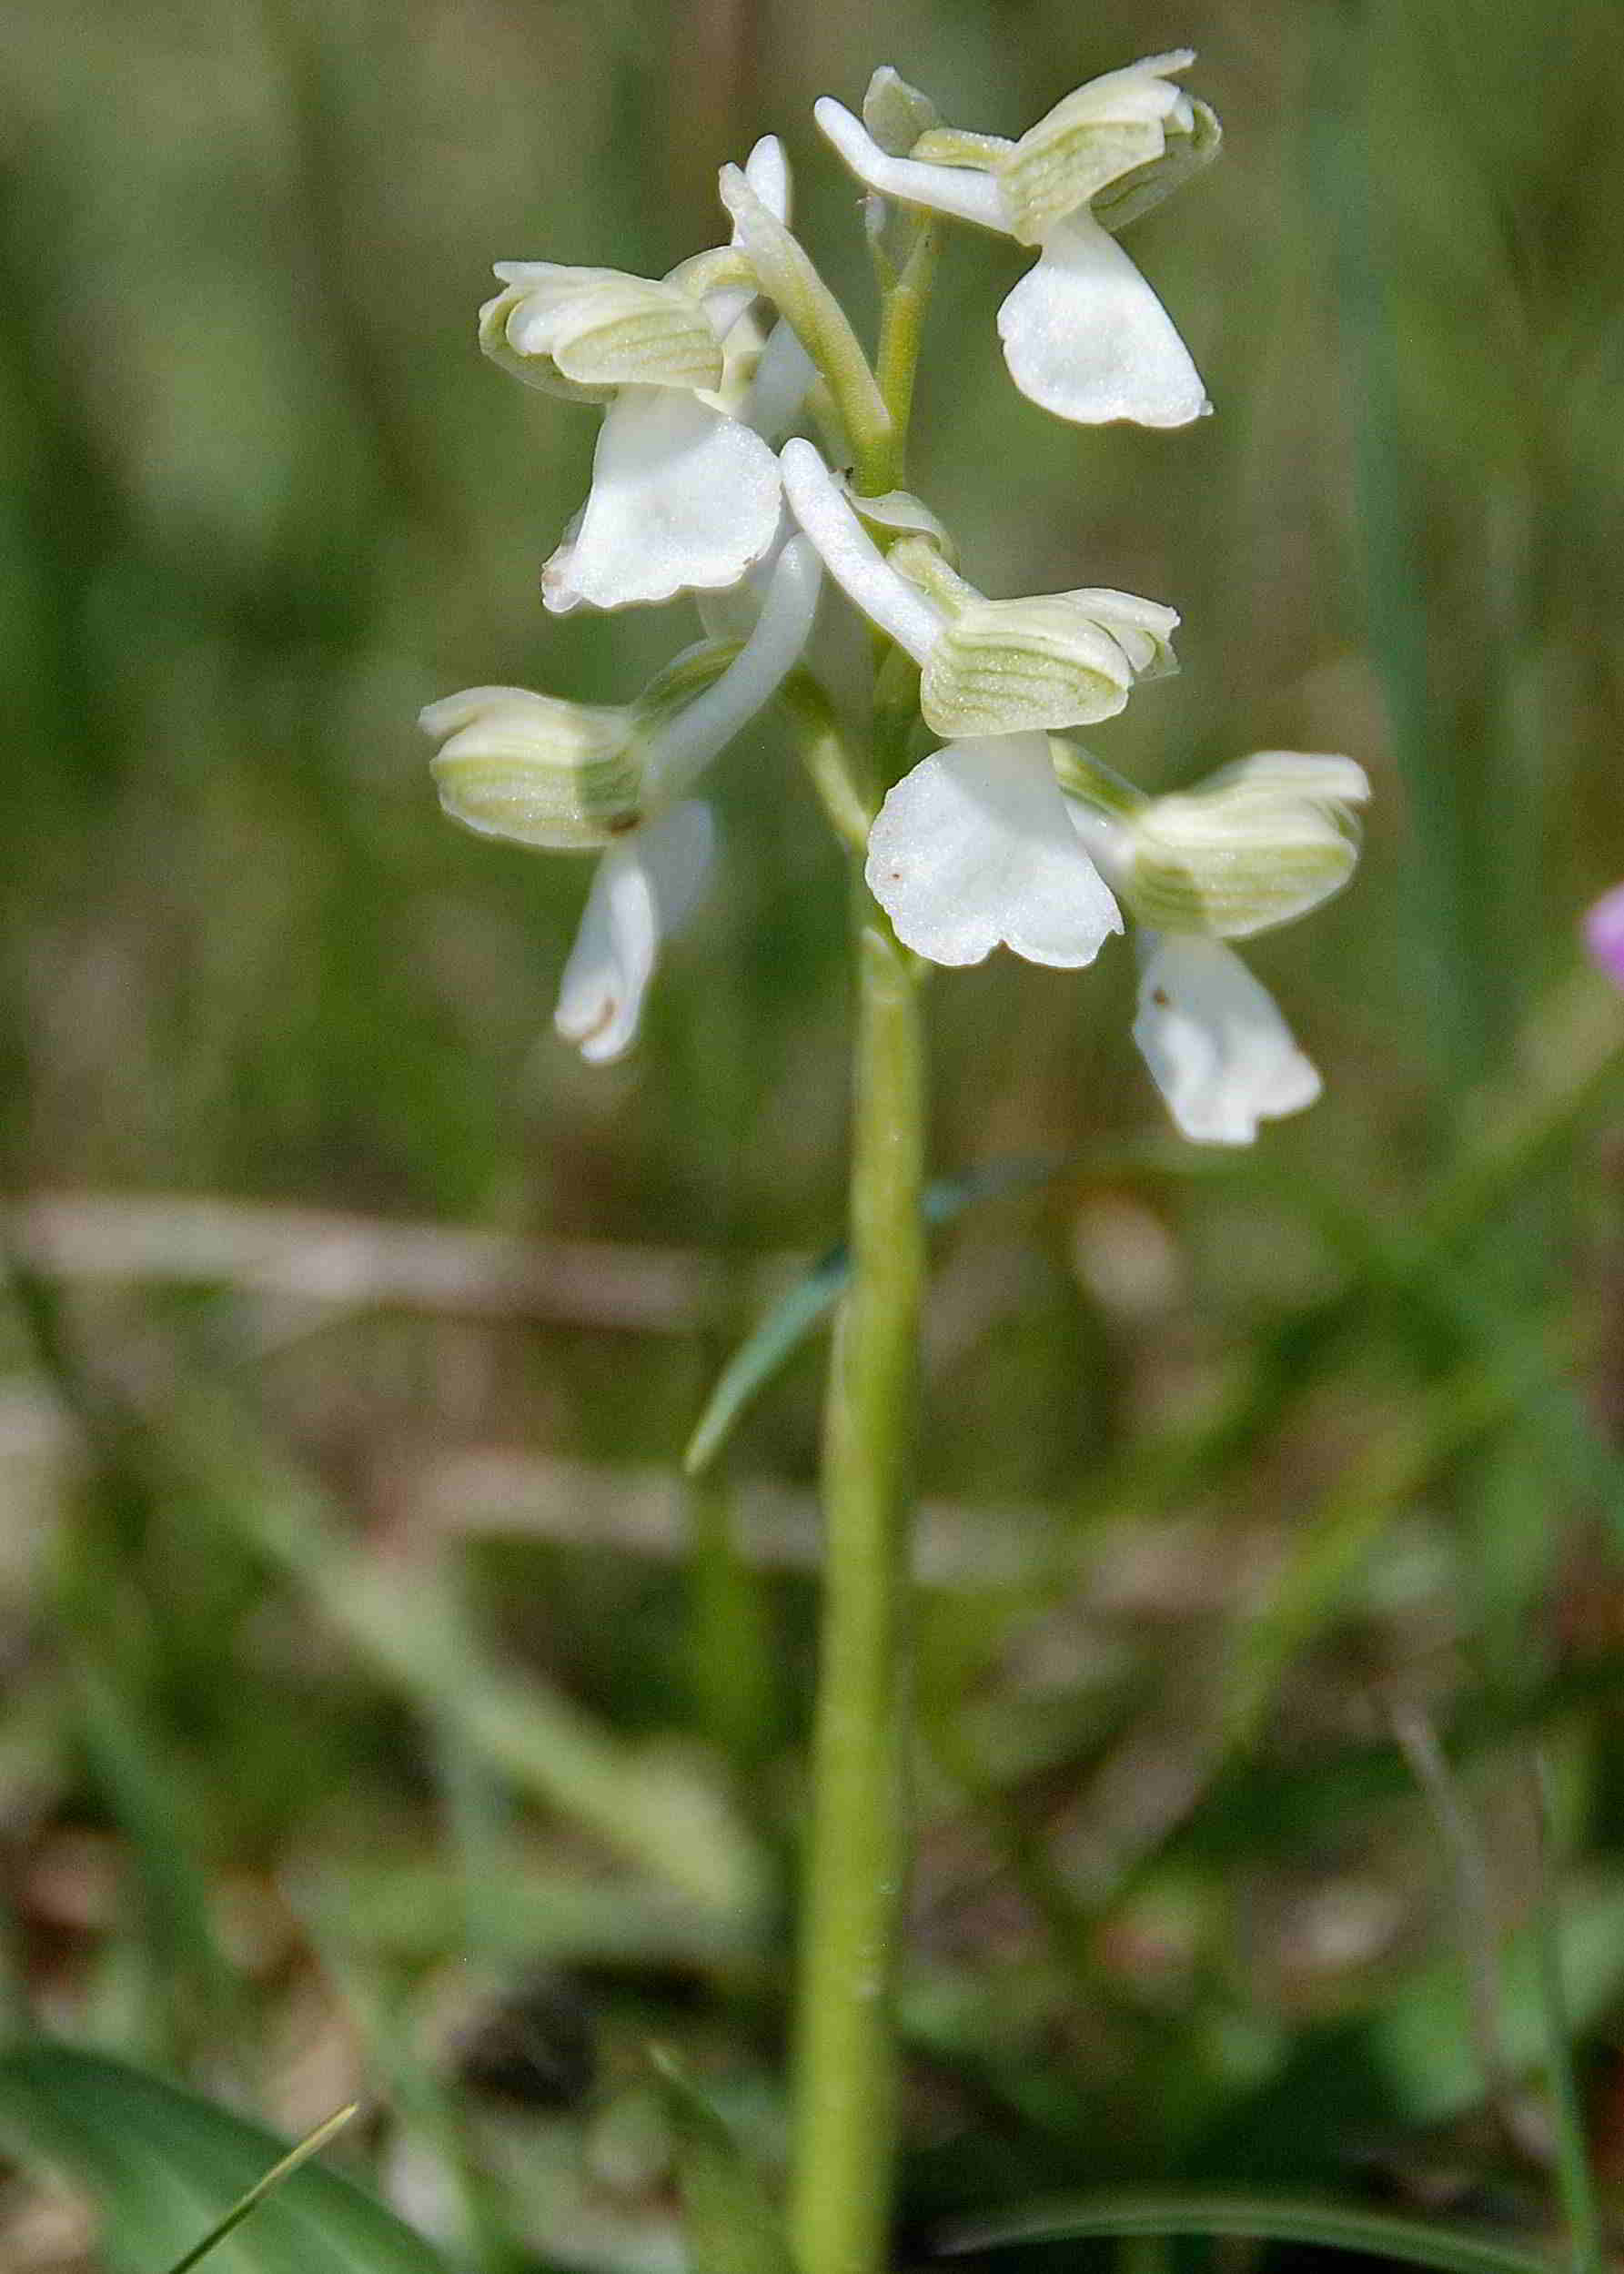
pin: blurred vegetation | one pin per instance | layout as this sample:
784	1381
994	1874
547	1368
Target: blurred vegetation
378	1715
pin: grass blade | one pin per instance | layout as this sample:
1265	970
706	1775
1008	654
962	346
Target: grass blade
798	1314
311	2145
1259	2219
158	2161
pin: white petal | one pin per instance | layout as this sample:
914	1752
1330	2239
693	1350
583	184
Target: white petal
1214	1041
1085	337
956	190
640	892
683	498
974	850
850	555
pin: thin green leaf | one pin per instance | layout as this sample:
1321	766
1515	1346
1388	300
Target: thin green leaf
730	2222
803	1308
159	2162
1259	2219
311	2145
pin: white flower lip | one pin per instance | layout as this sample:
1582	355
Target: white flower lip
640	892
973	851
683	498
1215	1044
1084	336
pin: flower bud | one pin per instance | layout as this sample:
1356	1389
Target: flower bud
1118	131
1260	843
562	775
584	332
1054	659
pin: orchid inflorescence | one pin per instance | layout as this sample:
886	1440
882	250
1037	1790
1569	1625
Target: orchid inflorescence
1006	832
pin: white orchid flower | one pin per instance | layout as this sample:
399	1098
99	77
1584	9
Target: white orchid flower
1257	844
685	494
975	849
1084	335
571	777
1213	1039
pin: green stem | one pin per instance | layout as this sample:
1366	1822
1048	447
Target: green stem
845	2097
856	1872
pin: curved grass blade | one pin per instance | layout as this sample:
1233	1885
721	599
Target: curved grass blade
1258	2218
159	2163
803	1308
311	2145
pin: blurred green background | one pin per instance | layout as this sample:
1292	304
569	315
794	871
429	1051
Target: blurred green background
377	1712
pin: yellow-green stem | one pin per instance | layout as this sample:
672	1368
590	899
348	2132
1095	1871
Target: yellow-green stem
857	1863
855	1887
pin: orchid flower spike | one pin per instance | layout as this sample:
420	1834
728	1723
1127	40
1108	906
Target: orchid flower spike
573	777
685	491
987	667
1084	335
1258	844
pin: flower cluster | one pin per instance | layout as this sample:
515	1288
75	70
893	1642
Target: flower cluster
1005	832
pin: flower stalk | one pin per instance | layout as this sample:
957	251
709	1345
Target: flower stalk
856	1869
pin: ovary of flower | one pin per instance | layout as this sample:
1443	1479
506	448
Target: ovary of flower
1084	335
685	496
574	776
987	667
1213	1039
